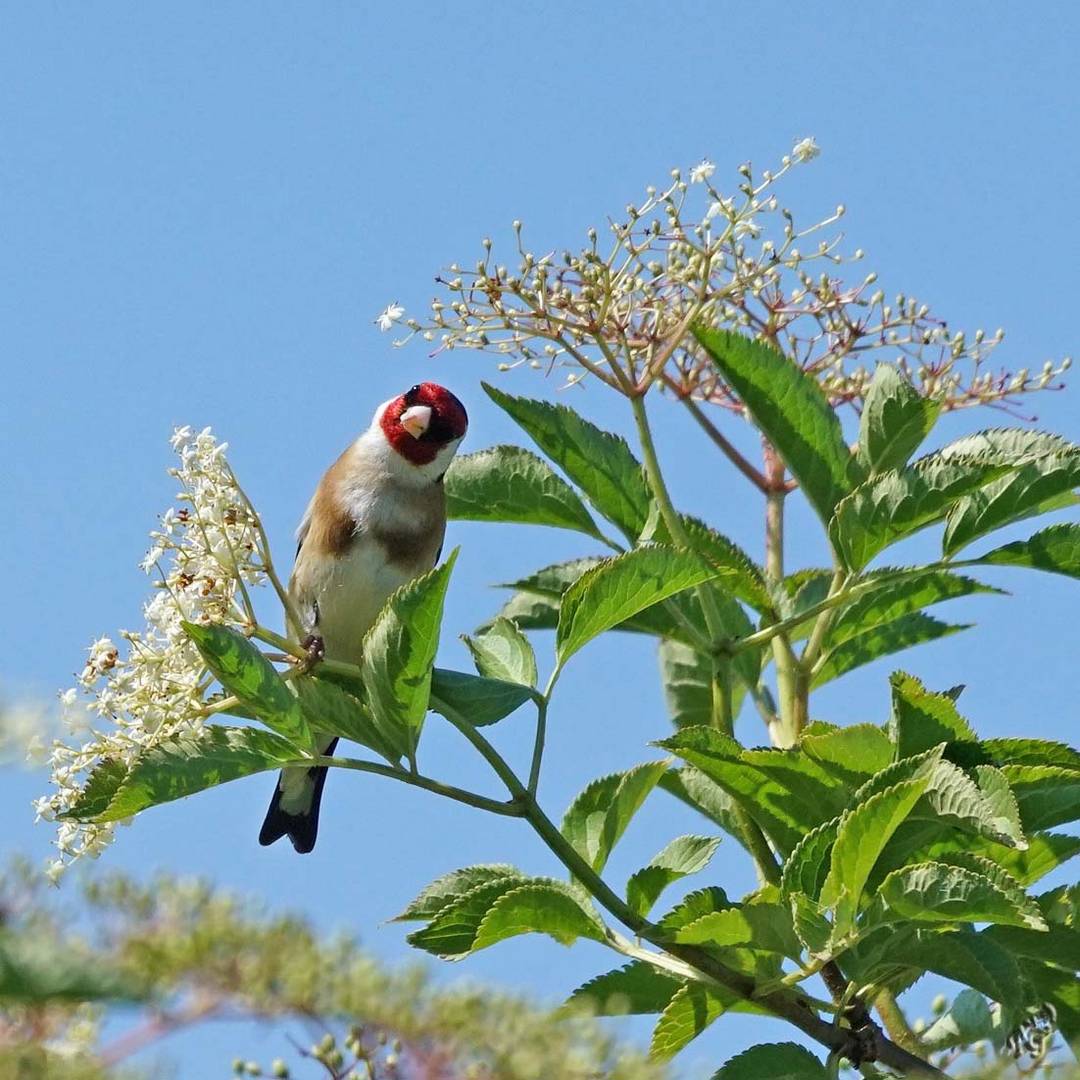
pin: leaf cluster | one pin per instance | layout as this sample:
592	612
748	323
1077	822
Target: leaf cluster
885	851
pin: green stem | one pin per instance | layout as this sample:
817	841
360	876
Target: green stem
784	733
822	624
579	868
678	533
488	752
769	870
791	1005
892	1016
721	689
470	798
541	734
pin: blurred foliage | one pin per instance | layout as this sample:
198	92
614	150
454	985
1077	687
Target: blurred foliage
193	953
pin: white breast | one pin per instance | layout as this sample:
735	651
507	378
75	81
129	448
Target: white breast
353	590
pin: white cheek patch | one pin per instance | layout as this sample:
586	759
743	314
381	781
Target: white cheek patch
441	462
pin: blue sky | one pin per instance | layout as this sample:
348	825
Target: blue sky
202	208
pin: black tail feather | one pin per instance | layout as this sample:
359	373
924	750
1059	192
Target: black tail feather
301	829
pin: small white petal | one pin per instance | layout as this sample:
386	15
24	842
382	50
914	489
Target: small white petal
389	315
805	149
702	171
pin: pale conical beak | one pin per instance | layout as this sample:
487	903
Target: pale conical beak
415	420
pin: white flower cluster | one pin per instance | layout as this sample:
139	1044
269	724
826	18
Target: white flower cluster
621	309
622	314
205	555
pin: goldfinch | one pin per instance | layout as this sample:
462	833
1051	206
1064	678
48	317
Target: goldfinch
375	522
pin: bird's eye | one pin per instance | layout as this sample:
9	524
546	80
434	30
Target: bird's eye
412	394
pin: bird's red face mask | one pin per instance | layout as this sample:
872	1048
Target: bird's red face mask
423	420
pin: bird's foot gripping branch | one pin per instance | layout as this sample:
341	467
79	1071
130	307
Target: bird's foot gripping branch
884	851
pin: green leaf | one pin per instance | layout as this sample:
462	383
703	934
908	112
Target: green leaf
687	678
1055	550
861	837
1000	803
900	597
743	578
784	791
937	892
693	906
882	640
1047	795
530	611
536	605
952	799
922	718
798	592
1058	946
1031	752
187	763
37	969
908	768
790	409
452	932
620	587
1038	487
696	790
811	924
598	817
961	955
509	483
765	926
600	463
693	1008
852	754
989	869
247	674
897	504
99	790
538	907
683	856
807	866
1046	851
633	990
1007	446
480	701
552	581
501	651
773	1061
398	655
451	887
895	420
331	710
968	1020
